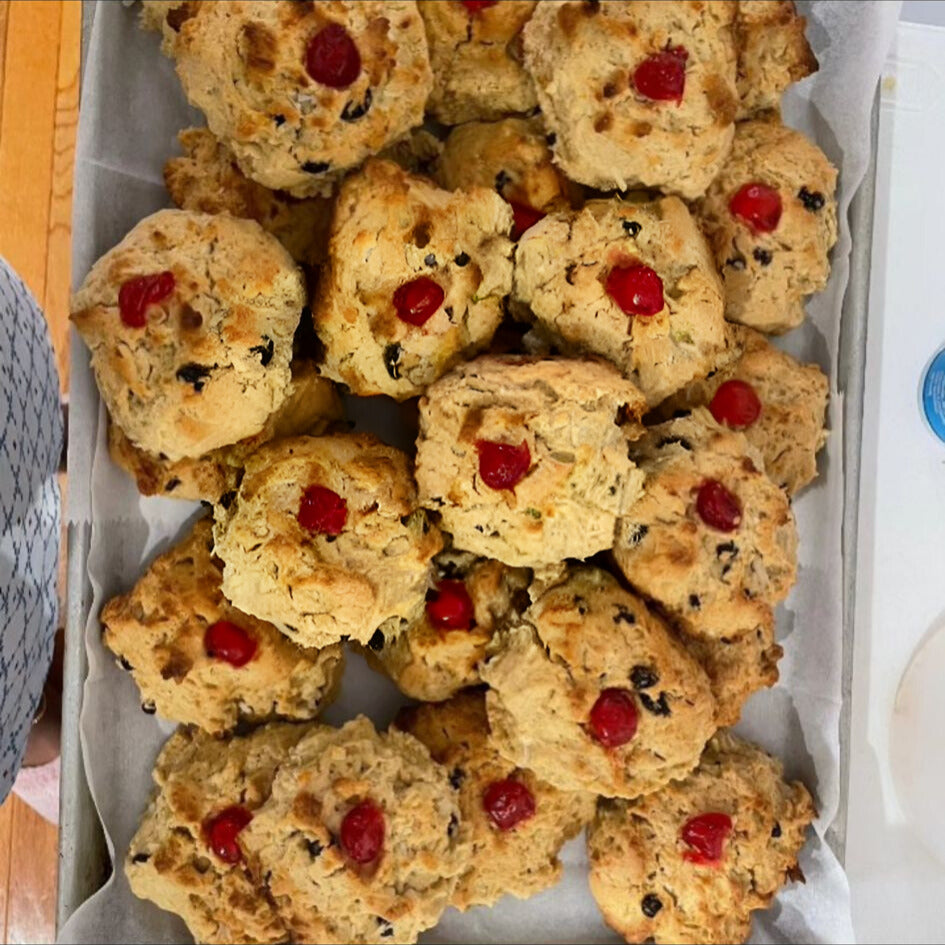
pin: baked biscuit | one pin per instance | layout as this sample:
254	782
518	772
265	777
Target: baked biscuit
777	402
526	460
312	406
325	539
187	856
514	823
713	539
634	282
188	315
438	654
359	841
199	660
771	218
513	158
166	17
592	692
773	53
476	56
691	862
300	92
637	94
415	280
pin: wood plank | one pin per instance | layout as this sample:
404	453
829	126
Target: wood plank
31	908
6	840
4	13
26	136
59	227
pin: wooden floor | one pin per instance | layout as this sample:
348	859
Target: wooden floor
39	95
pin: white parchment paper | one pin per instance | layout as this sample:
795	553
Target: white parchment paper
132	108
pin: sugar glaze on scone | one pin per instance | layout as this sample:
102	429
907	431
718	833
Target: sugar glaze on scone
691	862
633	282
526	459
325	539
360	839
414	283
592	692
637	94
712	539
188	315
514	823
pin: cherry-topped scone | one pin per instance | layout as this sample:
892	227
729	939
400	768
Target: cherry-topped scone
636	94
415	280
514	823
712	540
199	660
188	315
513	158
633	282
777	402
325	539
771	218
525	459
361	840
188	855
592	692
690	863
476	55
301	92
439	652
312	405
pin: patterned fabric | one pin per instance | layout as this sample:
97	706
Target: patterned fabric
30	445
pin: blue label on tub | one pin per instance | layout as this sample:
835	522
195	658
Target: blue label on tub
933	395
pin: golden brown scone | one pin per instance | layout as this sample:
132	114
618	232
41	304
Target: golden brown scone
476	56
187	854
526	460
637	94
787	399
713	539
592	692
633	282
514	823
415	280
207	178
771	219
439	652
325	539
199	660
691	862
312	406
773	53
166	17
187	316
360	840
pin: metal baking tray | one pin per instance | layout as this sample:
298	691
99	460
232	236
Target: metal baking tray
84	863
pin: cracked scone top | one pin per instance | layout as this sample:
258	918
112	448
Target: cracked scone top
771	219
777	402
637	94
199	660
359	842
526	460
633	282
712	539
691	862
301	92
514	823
476	56
325	539
414	283
188	315
592	692
439	652
312	405
187	856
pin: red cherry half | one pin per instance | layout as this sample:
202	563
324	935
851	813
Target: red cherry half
228	642
322	511
451	608
524	217
637	289
474	6
417	300
706	836
362	832
736	404
613	719
138	293
221	830
502	465
662	76
331	57
757	205
718	507
508	803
